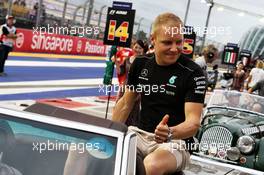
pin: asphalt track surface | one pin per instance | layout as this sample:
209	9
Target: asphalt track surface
51	76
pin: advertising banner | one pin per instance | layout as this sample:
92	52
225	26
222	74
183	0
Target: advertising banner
39	42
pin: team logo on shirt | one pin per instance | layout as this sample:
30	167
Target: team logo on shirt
171	83
144	72
172	79
200	85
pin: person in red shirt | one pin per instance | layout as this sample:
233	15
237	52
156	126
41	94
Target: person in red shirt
124	58
121	56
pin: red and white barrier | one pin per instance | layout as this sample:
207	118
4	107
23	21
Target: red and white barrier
33	42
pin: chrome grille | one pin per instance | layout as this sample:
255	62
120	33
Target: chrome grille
253	130
216	136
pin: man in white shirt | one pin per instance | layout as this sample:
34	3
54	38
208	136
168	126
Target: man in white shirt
209	54
8	35
256	74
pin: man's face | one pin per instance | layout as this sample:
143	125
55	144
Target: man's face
10	21
168	45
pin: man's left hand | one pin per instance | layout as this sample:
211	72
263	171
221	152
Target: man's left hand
162	130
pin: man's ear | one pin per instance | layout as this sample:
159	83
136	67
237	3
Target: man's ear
152	39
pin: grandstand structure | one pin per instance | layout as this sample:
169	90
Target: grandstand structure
253	40
52	13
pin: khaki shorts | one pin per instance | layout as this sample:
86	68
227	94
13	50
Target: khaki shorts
146	144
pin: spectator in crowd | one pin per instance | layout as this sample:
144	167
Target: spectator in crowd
36	6
43	13
33	12
209	54
20	3
212	78
238	77
150	49
16	2
259	86
8	33
125	57
256	74
23	3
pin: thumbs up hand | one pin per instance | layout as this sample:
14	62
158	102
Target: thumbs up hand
162	130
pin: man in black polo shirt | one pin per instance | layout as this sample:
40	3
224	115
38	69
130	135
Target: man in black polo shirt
172	90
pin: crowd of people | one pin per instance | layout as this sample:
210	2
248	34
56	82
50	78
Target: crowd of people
250	80
21	9
241	78
20	3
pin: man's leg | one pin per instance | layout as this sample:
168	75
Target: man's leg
167	158
2	60
7	49
4	55
160	162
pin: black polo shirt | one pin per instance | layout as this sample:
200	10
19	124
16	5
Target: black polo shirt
165	89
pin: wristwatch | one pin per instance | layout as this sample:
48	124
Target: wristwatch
169	137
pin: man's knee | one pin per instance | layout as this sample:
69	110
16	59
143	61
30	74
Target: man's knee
160	162
152	168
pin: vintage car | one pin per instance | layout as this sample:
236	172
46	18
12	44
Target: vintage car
232	130
48	140
46	143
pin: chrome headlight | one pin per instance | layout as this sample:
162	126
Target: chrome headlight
246	144
233	153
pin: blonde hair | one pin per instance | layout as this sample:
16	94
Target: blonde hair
165	18
260	64
209	48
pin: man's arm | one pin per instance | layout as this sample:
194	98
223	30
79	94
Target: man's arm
184	130
124	106
252	89
191	124
249	80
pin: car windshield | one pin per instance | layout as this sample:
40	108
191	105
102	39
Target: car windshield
238	100
33	148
